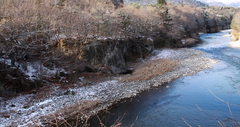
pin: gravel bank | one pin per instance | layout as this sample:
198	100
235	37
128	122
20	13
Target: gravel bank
23	111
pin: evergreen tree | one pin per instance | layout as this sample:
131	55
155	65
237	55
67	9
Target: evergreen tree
161	2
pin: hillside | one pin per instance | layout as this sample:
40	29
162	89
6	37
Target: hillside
235	4
215	3
175	2
188	2
196	3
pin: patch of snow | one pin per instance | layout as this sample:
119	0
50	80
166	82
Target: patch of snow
30	71
58	36
226	31
6	61
183	41
175	54
104	38
34	70
44	102
150	39
226	35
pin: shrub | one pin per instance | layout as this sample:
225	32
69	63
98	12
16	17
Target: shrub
161	2
235	24
61	2
136	5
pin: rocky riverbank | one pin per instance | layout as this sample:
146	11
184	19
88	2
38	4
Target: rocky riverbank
56	104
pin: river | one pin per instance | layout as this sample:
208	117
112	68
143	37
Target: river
192	100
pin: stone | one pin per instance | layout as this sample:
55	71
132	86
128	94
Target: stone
188	42
118	3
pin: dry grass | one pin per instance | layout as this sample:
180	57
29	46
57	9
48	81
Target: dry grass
151	69
236	22
76	113
235	35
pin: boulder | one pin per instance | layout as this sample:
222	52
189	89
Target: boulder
189	42
118	3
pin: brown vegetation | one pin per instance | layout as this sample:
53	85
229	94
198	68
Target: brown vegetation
99	19
76	114
235	25
151	68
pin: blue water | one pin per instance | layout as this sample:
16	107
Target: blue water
191	99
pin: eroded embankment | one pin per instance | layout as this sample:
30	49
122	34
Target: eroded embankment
27	110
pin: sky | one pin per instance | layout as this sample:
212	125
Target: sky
228	1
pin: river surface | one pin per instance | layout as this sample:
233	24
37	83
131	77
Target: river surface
192	100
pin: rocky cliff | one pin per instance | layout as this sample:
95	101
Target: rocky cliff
107	55
26	67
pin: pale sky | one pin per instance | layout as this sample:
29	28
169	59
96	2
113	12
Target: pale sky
228	1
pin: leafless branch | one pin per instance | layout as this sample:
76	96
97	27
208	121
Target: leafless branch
186	122
222	99
134	122
219	121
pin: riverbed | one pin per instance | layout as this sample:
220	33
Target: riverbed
42	107
209	98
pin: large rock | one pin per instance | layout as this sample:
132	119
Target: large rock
117	3
188	42
109	55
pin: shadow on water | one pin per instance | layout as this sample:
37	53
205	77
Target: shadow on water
167	107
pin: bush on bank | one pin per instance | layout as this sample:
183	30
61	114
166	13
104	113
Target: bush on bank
235	26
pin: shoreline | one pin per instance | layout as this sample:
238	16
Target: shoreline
89	100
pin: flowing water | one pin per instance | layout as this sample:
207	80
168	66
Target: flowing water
192	100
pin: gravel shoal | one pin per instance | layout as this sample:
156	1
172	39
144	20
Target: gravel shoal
89	100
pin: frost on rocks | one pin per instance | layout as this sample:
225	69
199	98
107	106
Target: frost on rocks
178	54
35	70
